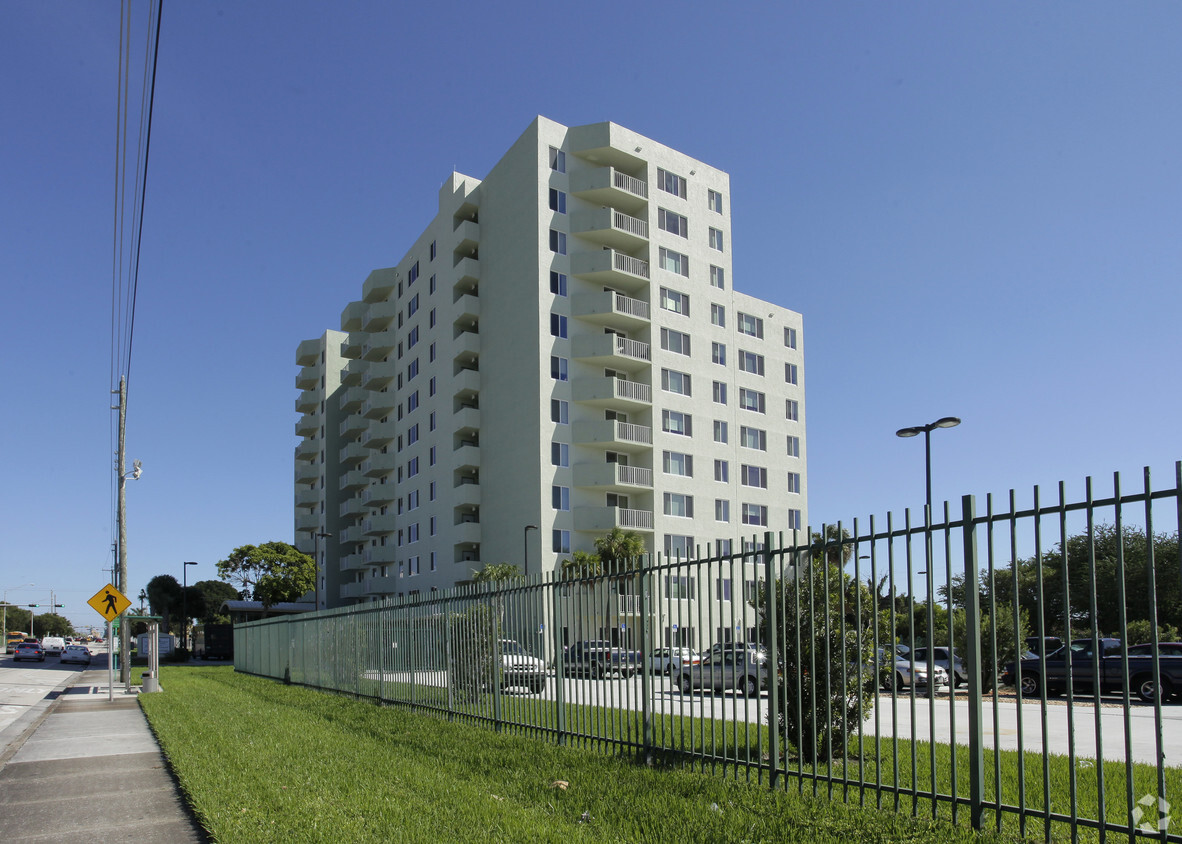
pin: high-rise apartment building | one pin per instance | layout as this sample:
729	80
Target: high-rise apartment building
560	352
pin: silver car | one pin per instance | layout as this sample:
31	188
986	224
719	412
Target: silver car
76	653
903	672
745	669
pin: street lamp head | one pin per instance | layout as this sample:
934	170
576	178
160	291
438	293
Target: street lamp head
908	432
947	422
531	527
323	535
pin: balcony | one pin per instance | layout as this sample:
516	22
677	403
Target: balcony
609	186
306	522
612	310
307	402
612	392
379	315
308	378
351	316
352	345
352	454
308	353
353	562
306	426
467	533
375	376
467	237
376	495
609	227
467	494
352	399
378	434
378	346
612	350
613	435
378	405
379	285
352	590
378	525
467	382
307	450
306	473
467	309
352	480
611	268
381	585
466	346
600	519
352	508
307	497
466	417
379	464
352	425
353	372
467	456
613	477
467	273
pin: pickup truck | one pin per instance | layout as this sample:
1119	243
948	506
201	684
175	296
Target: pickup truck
1052	670
598	658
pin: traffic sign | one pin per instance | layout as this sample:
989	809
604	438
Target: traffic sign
109	602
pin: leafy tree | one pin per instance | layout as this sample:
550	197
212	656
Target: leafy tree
472	668
619	550
497	573
165	598
213	594
272	573
1139	632
581	564
52	624
17	618
834	544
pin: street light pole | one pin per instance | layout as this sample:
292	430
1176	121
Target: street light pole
185	605
926	430
525	547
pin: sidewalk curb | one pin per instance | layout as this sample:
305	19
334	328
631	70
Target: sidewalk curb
27	724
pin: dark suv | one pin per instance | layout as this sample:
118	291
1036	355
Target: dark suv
598	658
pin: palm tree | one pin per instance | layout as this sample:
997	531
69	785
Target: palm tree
619	550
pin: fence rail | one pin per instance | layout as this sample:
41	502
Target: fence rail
821	660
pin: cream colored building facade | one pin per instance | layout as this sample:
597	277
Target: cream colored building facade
560	352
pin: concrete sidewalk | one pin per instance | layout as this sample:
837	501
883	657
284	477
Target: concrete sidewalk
81	768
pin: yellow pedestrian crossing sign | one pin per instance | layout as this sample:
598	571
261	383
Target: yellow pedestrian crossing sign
109	602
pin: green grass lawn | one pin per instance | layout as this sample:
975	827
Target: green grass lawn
261	761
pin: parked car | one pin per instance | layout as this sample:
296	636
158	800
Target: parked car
947	659
1109	664
744	669
76	653
670	660
521	668
598	658
53	645
903	672
29	650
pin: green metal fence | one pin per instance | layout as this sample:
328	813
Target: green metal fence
819	661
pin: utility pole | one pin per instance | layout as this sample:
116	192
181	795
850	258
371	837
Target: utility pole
121	515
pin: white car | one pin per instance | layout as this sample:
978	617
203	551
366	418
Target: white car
76	653
521	668
54	645
670	660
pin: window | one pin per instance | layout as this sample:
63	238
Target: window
431	422
751	400
557	160
412	307
559	454
676	422
753	438
558	368
431	386
560	497
558	283
794	522
792	410
431	286
560	541
431	455
557	201
678	546
714	201
432	250
412	467
431	321
717	277
677	463
751	362
412	435
673	341
679	585
559	411
433	522
755	514
794	482
413	275
432	565
412	500
722	547
674	262
722	471
431	491
412	401
755	476
673	381
412	370
790	373
412	338
557	325
718	315
671	183
793	446
558	242
790	337
679	504
750	325
720	392
722	513
716	239
672	223
671	300
412	566
718	353
720	432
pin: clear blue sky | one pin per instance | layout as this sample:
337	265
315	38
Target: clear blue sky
977	208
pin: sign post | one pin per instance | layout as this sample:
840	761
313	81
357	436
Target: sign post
109	602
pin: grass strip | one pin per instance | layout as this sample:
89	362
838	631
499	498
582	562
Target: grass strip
261	761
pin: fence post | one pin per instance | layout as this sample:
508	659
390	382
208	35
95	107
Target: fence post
556	595
646	703
972	583
773	658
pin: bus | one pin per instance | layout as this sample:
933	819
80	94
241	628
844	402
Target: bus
15	637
